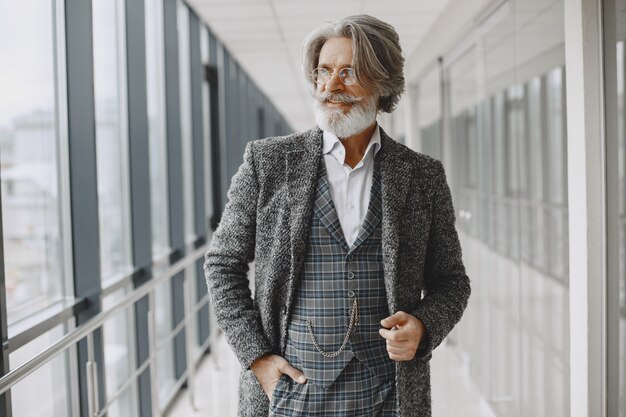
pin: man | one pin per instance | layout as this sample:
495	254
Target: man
358	270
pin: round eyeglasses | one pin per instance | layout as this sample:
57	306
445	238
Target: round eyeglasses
322	75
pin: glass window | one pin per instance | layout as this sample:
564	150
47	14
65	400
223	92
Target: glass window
165	347
112	160
521	309
119	356
156	125
33	236
429	111
52	383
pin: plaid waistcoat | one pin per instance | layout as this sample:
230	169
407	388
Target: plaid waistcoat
333	276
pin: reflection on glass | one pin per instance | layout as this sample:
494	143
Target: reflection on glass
111	162
29	159
508	144
156	127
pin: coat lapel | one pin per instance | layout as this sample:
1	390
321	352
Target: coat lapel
301	166
374	211
395	180
325	208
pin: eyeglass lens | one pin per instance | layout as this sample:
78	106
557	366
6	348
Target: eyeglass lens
322	75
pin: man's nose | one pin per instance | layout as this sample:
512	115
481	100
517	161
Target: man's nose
334	84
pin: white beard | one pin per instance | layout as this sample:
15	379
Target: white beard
342	124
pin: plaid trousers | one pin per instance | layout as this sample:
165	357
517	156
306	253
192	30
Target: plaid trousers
360	381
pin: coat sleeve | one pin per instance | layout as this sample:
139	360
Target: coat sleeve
226	265
447	287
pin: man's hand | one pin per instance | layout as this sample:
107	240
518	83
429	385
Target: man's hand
403	333
269	368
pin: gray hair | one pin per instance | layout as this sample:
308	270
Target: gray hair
377	56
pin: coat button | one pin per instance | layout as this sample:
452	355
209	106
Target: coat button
284	310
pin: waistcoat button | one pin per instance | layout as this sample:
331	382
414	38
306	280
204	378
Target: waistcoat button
350	275
351	293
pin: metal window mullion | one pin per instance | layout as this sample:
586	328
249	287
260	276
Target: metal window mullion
197	126
174	165
83	183
139	188
614	228
584	59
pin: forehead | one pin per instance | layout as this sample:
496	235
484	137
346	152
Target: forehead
336	52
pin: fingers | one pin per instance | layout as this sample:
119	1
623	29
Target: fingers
285	367
401	335
399	317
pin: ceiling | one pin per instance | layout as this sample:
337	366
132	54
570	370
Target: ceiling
265	37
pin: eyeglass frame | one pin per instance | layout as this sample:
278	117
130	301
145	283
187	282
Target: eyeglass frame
330	75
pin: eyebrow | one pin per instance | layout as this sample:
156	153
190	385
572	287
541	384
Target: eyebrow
327	66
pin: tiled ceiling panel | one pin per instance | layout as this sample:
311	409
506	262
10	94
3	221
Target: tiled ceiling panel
265	36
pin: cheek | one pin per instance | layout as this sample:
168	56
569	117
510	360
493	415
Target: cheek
358	91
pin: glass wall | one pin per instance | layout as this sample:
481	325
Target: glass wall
429	113
121	132
119	358
53	383
111	140
507	150
30	160
157	127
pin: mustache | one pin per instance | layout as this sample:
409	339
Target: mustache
341	97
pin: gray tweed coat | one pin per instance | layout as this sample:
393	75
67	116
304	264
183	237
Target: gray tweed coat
267	218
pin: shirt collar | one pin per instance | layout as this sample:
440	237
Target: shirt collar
331	141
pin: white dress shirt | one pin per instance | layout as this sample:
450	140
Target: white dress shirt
350	187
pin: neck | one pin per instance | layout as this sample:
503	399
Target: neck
357	144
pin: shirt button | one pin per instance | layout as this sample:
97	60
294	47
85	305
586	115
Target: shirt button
350	275
351	294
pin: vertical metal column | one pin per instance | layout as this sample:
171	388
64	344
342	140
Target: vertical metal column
175	172
613	107
83	183
584	59
140	207
200	188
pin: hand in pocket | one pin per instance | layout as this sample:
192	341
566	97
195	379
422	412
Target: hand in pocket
268	370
